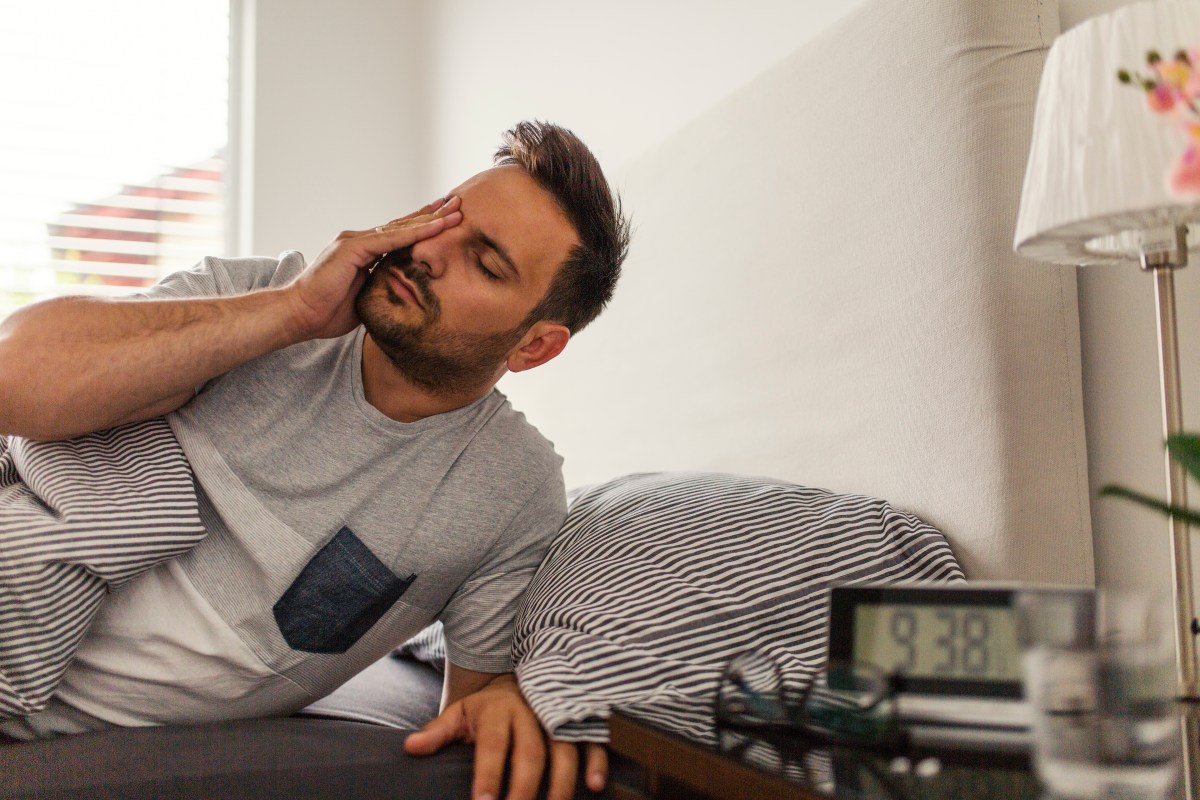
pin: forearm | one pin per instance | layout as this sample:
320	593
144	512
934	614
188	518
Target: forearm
74	365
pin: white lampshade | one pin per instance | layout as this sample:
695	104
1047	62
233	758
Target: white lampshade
1096	183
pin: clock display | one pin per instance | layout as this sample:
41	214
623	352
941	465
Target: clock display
949	642
952	641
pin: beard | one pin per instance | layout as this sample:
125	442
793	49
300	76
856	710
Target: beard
438	361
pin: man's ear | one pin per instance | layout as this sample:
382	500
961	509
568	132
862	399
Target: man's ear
540	343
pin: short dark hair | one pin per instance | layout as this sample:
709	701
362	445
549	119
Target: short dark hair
562	165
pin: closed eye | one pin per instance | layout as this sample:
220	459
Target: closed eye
487	273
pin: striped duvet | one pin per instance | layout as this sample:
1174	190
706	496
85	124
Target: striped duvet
76	518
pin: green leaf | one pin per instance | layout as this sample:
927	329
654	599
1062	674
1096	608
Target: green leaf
1185	448
1175	511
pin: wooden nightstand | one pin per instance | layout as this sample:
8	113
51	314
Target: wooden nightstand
674	768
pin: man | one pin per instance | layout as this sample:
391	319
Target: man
355	482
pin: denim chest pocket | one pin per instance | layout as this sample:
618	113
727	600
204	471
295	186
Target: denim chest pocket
337	597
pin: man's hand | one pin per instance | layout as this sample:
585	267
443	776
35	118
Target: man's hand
499	721
323	295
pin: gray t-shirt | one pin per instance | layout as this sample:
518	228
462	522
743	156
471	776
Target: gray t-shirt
304	486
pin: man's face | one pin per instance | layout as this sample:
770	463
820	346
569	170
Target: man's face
449	310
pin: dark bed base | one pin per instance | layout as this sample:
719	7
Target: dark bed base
349	746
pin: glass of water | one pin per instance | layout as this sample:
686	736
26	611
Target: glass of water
1099	677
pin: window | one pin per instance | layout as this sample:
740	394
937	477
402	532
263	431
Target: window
113	141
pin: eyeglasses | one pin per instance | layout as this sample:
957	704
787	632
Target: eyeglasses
852	704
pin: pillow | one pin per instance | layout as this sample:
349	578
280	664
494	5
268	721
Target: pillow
427	647
657	580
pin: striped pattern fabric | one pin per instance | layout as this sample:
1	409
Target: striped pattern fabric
76	518
427	647
657	580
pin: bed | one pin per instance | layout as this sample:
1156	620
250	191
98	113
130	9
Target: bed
822	292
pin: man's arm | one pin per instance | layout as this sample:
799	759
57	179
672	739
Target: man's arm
489	710
74	365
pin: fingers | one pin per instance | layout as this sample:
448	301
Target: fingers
404	231
491	751
496	735
367	246
440	207
428	208
564	764
447	727
407	231
597	767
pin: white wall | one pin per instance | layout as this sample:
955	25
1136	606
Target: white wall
622	74
334	119
364	109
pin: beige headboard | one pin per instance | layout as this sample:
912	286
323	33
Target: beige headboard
822	289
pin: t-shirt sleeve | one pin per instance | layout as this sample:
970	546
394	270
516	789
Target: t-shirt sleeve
219	277
479	619
223	277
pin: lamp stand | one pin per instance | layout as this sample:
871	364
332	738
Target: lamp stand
1163	264
1181	551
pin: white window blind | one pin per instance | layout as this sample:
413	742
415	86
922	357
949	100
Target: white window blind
113	139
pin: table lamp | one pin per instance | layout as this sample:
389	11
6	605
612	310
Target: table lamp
1114	178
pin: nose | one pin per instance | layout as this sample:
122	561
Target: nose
433	254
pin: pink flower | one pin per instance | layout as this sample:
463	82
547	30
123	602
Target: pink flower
1173	89
1161	98
1184	179
1173	73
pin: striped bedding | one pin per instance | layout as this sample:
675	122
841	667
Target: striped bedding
657	580
78	517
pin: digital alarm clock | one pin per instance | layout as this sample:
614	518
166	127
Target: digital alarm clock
953	649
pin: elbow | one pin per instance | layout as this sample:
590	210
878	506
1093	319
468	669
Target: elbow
15	422
32	394
13	379
42	429
26	410
10	386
